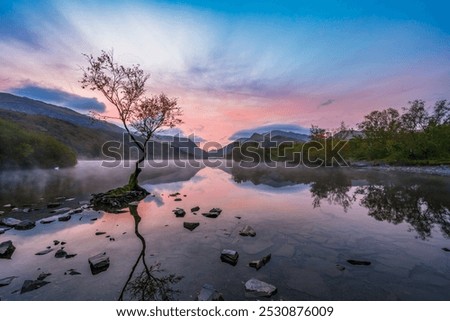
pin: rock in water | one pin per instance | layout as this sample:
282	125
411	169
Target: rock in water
99	263
179	212
340	267
6	249
43	252
358	262
209	293
31	285
259	288
260	263
60	253
9	221
4	229
247	231
64	217
229	256
25	225
7	281
195	209
445	249
191	225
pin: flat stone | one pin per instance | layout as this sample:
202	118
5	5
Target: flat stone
48	220
229	256
43	276
259	288
69	256
7	281
60	253
99	263
358	262
6	249
247	231
260	263
209	293
9	221
25	225
64	218
72	272
44	252
100	233
178	199
179	212
195	209
445	249
31	285
191	225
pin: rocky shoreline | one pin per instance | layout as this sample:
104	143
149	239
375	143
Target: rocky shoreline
440	170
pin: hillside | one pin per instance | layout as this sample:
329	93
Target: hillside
23	148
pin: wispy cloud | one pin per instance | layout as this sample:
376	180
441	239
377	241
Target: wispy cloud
327	102
59	97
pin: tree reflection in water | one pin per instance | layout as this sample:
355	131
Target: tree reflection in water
146	285
391	197
412	204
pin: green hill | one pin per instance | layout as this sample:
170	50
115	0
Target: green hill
22	148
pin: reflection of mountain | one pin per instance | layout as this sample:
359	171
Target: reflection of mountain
417	200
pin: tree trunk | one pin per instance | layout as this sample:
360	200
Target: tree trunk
133	183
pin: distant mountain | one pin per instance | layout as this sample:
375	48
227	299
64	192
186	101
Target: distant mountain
264	140
85	136
35	107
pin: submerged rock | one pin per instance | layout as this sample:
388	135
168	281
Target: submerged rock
43	276
31	285
340	267
48	220
247	231
445	249
6	249
358	262
25	225
191	225
178	199
72	272
69	256
64	217
99	263
7	281
259	288
195	209
257	264
229	256
9	221
100	233
179	212
44	252
53	205
209	293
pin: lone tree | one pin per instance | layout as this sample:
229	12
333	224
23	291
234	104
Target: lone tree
124	88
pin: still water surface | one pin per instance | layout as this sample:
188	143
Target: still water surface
309	220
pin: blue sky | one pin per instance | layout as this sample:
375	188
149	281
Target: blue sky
236	65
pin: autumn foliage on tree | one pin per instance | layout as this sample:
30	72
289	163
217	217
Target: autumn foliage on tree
124	88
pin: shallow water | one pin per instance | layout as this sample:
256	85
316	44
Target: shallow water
309	220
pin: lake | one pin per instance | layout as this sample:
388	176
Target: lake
311	221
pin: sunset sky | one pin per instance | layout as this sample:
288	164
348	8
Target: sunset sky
236	66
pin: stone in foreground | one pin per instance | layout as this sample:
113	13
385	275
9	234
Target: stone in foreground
257	264
229	256
99	263
256	287
247	231
6	249
195	209
209	293
191	225
43	252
